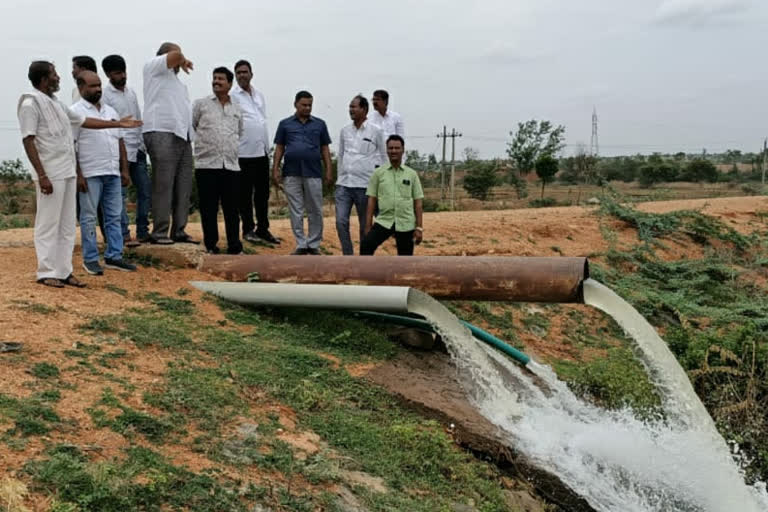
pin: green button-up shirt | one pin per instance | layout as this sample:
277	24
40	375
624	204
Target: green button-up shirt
395	190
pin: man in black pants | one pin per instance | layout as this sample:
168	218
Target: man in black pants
218	123
254	159
396	190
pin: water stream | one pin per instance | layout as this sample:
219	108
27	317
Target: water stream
612	459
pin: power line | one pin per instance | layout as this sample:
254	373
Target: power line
445	136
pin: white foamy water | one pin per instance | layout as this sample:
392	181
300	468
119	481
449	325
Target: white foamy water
612	459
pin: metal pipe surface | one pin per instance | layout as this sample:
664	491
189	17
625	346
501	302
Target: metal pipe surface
520	279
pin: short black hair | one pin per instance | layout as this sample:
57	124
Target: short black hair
166	47
362	101
381	93
224	71
395	136
301	95
112	63
243	62
85	62
38	70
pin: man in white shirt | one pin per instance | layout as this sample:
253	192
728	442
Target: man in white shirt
254	157
388	120
218	123
102	168
168	135
81	63
46	131
362	148
123	99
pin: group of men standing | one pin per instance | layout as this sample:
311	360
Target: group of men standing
222	142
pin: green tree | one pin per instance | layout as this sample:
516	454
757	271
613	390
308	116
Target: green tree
546	168
700	170
532	140
479	181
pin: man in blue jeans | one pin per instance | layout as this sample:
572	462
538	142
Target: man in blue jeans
102	169
123	99
361	149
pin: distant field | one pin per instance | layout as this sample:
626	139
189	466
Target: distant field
504	197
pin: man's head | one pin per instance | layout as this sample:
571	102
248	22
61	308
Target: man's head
82	63
222	80
303	104
395	149
43	76
380	100
358	108
243	73
114	68
89	85
167	48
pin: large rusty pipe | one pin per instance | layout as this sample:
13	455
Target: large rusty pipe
516	279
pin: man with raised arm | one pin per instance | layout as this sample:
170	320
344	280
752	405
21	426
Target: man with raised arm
168	135
102	171
46	131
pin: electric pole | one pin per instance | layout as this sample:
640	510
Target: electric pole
444	136
765	155
594	145
442	165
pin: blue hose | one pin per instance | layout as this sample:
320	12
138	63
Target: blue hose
423	325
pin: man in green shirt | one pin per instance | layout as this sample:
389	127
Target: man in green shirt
396	190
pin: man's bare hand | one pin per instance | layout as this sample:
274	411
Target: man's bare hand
187	66
276	178
82	185
125	179
129	122
417	237
46	187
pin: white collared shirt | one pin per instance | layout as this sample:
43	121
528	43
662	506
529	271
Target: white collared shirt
54	145
255	140
98	151
391	122
360	151
166	100
126	104
218	128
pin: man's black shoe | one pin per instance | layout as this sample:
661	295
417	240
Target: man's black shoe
268	237
185	239
314	251
300	251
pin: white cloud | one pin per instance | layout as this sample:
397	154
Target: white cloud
701	12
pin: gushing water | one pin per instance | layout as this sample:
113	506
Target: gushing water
612	459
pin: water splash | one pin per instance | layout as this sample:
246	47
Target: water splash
612	459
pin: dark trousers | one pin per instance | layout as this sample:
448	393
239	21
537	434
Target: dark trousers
254	193
379	234
216	186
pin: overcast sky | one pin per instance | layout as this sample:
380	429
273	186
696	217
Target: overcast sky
664	75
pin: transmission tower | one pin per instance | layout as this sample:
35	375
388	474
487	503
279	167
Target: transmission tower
594	145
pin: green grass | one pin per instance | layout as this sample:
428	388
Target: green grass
44	371
129	421
30	416
143	480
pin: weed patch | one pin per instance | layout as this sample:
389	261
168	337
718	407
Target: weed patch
30	415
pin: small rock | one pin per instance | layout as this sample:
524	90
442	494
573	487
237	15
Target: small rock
347	501
593	200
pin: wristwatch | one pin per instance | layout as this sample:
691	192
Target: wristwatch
419	228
